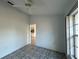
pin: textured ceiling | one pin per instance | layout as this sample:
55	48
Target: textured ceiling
44	7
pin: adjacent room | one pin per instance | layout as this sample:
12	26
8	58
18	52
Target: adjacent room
39	29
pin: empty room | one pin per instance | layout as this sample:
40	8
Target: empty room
39	29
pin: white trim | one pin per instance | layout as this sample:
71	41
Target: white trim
74	12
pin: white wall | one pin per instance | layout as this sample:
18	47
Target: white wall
50	32
13	29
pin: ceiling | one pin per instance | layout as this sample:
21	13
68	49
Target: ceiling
44	7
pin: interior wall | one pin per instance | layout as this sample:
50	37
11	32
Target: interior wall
50	32
14	26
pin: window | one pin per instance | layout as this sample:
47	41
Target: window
76	34
72	34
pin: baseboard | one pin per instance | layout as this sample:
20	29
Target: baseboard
13	51
52	50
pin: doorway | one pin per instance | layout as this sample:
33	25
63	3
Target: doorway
33	34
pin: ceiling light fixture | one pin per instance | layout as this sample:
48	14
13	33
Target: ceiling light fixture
28	3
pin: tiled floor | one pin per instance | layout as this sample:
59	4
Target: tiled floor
29	52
